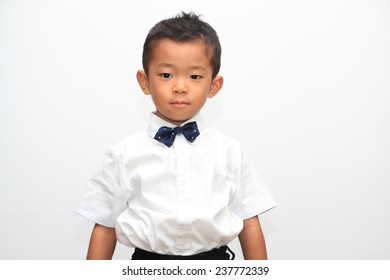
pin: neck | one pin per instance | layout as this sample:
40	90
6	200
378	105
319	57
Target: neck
174	122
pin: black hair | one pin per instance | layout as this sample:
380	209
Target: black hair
184	28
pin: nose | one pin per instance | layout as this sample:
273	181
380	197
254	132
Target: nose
180	86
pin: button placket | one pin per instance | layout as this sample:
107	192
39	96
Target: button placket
183	194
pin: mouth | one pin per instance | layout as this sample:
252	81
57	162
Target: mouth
180	103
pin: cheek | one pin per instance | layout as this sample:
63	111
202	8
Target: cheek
200	101
159	97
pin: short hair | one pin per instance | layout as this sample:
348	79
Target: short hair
184	28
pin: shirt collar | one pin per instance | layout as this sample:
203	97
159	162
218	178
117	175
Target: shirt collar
156	122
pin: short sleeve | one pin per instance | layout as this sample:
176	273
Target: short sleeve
251	196
105	198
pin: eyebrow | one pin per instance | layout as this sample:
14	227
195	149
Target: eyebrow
198	68
169	65
165	65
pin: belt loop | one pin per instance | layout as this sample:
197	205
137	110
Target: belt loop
231	252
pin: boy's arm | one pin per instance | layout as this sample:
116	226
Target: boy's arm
102	243
252	240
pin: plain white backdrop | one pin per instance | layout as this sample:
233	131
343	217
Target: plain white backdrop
309	79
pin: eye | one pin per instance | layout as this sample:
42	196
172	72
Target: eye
166	75
196	77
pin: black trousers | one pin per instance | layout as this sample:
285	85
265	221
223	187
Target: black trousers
222	253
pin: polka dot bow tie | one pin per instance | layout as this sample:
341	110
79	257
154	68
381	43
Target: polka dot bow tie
167	135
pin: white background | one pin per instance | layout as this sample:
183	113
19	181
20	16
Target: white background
307	91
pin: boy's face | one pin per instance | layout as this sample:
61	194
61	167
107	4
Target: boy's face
179	79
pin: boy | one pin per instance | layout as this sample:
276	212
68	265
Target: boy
178	190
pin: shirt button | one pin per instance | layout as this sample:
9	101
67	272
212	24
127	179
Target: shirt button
183	245
182	242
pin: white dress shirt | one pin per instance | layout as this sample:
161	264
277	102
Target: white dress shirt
182	200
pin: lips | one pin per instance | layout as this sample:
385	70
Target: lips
180	103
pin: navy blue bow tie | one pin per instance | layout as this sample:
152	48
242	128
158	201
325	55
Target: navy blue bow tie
167	135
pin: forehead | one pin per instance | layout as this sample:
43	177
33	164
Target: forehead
169	51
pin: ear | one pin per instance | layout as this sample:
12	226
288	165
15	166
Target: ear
216	86
143	82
